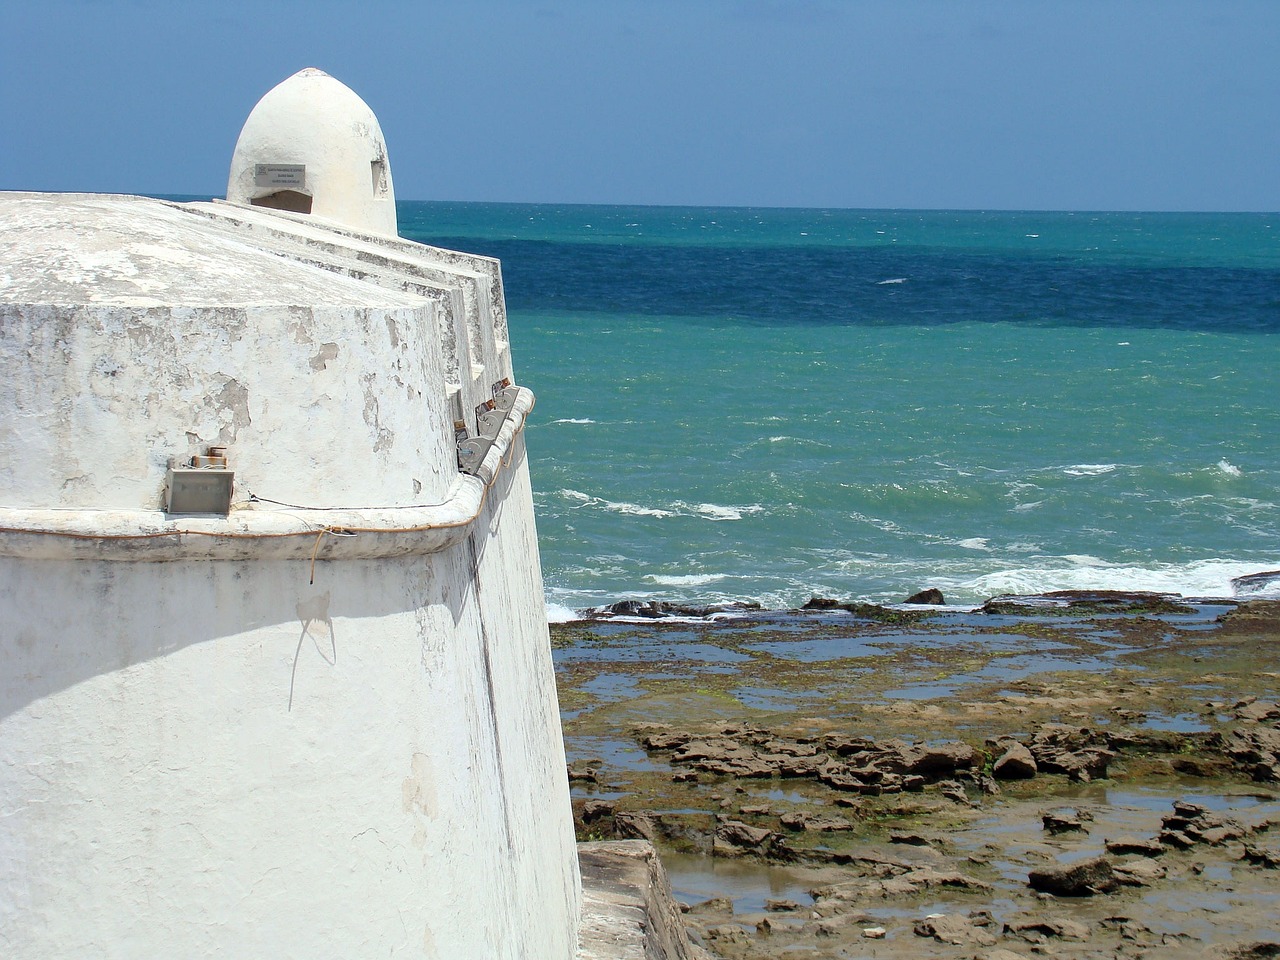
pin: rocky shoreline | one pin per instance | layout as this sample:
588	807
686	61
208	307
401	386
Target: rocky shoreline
1067	775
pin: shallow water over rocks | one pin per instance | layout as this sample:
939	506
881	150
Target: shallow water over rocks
803	726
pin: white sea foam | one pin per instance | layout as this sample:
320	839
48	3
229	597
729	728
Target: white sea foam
686	580
1229	468
1086	561
574	420
830	578
1089	469
888	526
679	508
714	511
882	283
801	441
559	613
709	618
974	543
1268	590
633	509
1202	578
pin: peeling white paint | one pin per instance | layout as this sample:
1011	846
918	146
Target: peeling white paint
332	140
326	732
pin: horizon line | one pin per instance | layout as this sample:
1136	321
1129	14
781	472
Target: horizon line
185	197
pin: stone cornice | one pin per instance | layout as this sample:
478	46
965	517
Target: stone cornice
252	532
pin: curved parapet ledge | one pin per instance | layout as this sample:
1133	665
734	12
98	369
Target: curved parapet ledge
274	534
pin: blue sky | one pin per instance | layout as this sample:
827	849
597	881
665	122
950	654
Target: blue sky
986	104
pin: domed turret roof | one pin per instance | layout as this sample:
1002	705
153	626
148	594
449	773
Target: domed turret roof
311	145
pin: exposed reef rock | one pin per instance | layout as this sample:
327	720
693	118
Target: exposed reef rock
1081	879
890	775
663	610
933	597
1255	582
1076	602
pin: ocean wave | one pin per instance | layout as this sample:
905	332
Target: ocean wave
883	283
633	509
1089	469
685	580
799	441
679	508
898	579
599	567
886	526
559	613
1262	585
1202	578
714	511
1229	468
579	420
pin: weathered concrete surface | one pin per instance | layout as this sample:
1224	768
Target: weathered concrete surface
324	725
312	138
136	331
628	912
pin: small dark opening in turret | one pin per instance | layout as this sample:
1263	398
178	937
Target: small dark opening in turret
290	200
380	186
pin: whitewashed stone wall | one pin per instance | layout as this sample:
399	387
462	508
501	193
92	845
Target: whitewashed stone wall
326	732
314	138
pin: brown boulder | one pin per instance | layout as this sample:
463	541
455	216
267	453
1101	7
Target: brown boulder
1080	765
1040	930
1268	859
665	740
733	838
954	929
634	826
816	824
1246	950
595	809
1257	710
938	761
1016	763
1081	879
1145	848
1141	872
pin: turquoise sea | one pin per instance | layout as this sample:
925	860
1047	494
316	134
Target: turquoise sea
759	404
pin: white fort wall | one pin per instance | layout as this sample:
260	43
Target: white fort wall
311	144
160	793
325	732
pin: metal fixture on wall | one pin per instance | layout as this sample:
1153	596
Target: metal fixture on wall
490	416
203	488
